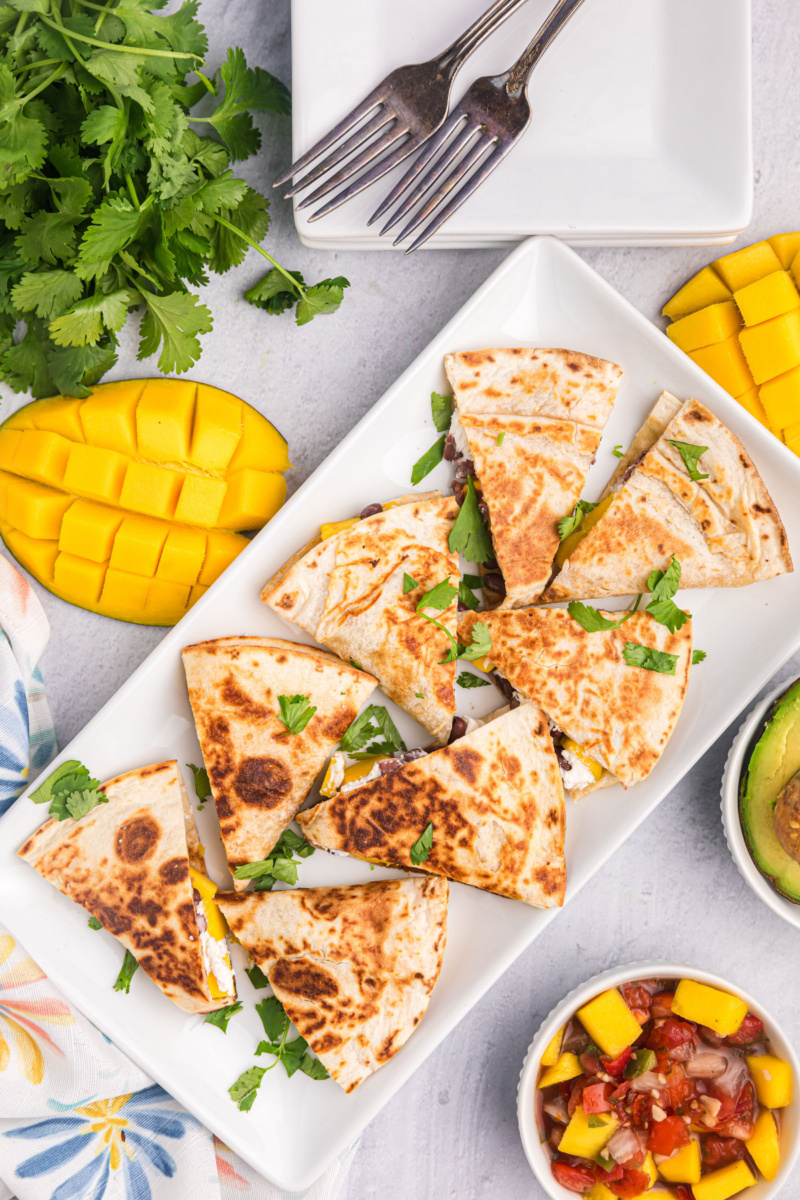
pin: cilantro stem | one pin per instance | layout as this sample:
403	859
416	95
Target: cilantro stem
51	78
41	62
82	37
228	225
132	191
209	86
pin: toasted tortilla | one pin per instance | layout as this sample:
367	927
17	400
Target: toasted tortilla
494	798
725	530
622	716
548	409
659	417
347	592
127	863
260	774
353	966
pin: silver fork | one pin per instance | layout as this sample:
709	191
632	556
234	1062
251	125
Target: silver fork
407	107
497	112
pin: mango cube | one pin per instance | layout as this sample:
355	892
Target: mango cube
165	598
781	399
772	1078
59	416
767	298
720	1011
649	1167
138	545
38	555
150	489
773	346
182	556
553	1049
41	456
726	364
94	472
567	1067
600	1192
726	1182
164	420
217	428
704	288
752	402
764	1145
786	246
221	549
251	498
75	576
331	527
89	529
33	508
746	265
609	1022
587	1133
9	441
791	435
108	417
125	592
194	595
262	446
200	500
711	324
683	1167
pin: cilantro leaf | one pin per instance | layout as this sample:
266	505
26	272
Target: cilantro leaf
617	451
222	1016
593	621
47	293
663	585
87	320
430	459
244	1090
467	680
636	655
78	804
322	299
71	792
568	525
690	454
698	656
441	411
313	1067
71	767
256	976
469	535
273	293
375	721
420	851
296	712
246	89
465	594
439	597
115	224
409	583
279	864
174	320
480	645
94	923
472	581
202	784
273	1018
129	969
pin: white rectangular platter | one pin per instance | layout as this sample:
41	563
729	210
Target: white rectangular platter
542	295
641	130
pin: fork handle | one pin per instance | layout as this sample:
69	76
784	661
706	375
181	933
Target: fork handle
453	58
520	73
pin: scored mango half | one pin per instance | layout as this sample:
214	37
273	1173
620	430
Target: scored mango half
131	503
739	319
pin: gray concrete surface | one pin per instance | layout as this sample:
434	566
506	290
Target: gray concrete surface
672	890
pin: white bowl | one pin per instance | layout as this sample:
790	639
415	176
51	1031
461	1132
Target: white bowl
737	760
526	1092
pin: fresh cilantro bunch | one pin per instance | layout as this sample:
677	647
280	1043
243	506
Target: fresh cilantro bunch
117	196
280	865
70	790
294	1055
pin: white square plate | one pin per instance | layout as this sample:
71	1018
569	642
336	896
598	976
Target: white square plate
545	295
641	130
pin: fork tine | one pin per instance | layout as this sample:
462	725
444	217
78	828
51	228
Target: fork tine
361	110
449	154
355	164
447	184
339	155
455	202
428	151
387	163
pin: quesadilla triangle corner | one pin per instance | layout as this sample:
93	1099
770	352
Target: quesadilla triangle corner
533	421
353	966
724	530
495	802
347	593
260	772
617	718
136	864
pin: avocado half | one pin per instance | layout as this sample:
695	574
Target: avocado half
773	762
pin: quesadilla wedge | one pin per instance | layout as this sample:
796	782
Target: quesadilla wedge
531	421
349	592
722	525
491	804
260	768
353	966
612	720
136	864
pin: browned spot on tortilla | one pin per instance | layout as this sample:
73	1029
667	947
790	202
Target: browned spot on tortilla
137	839
237	697
466	762
303	978
262	781
175	870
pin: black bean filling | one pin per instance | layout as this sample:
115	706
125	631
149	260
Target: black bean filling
632	468
459	728
387	765
199	908
511	694
370	511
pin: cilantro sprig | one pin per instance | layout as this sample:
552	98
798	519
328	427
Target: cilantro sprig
71	791
568	525
480	644
118	195
222	1016
690	453
440	598
294	1054
421	850
202	784
636	655
360	738
279	866
442	413
129	968
296	712
469	535
467	680
663	585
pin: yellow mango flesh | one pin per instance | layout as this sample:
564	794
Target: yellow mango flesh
131	503
582	756
683	1167
600	1192
711	324
351	774
609	1022
585	1140
772	1078
566	1068
764	283
726	1182
590	519
332	527
553	1049
649	1167
709	1006
215	921
764	1145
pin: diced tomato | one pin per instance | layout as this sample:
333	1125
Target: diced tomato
719	1151
641	1110
575	1094
680	1088
621	1092
633	1183
595	1098
575	1179
727	1105
616	1066
750	1030
638	1001
742	1123
602	1176
661	1005
668	1135
675	1038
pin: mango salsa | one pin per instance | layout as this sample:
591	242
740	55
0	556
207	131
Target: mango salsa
726	1182
683	1167
764	1145
130	503
772	1078
552	1051
609	1022
587	1133
567	1067
709	1006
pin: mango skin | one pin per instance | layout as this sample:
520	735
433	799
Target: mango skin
131	503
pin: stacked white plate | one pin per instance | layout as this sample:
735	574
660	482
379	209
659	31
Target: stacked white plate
641	131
